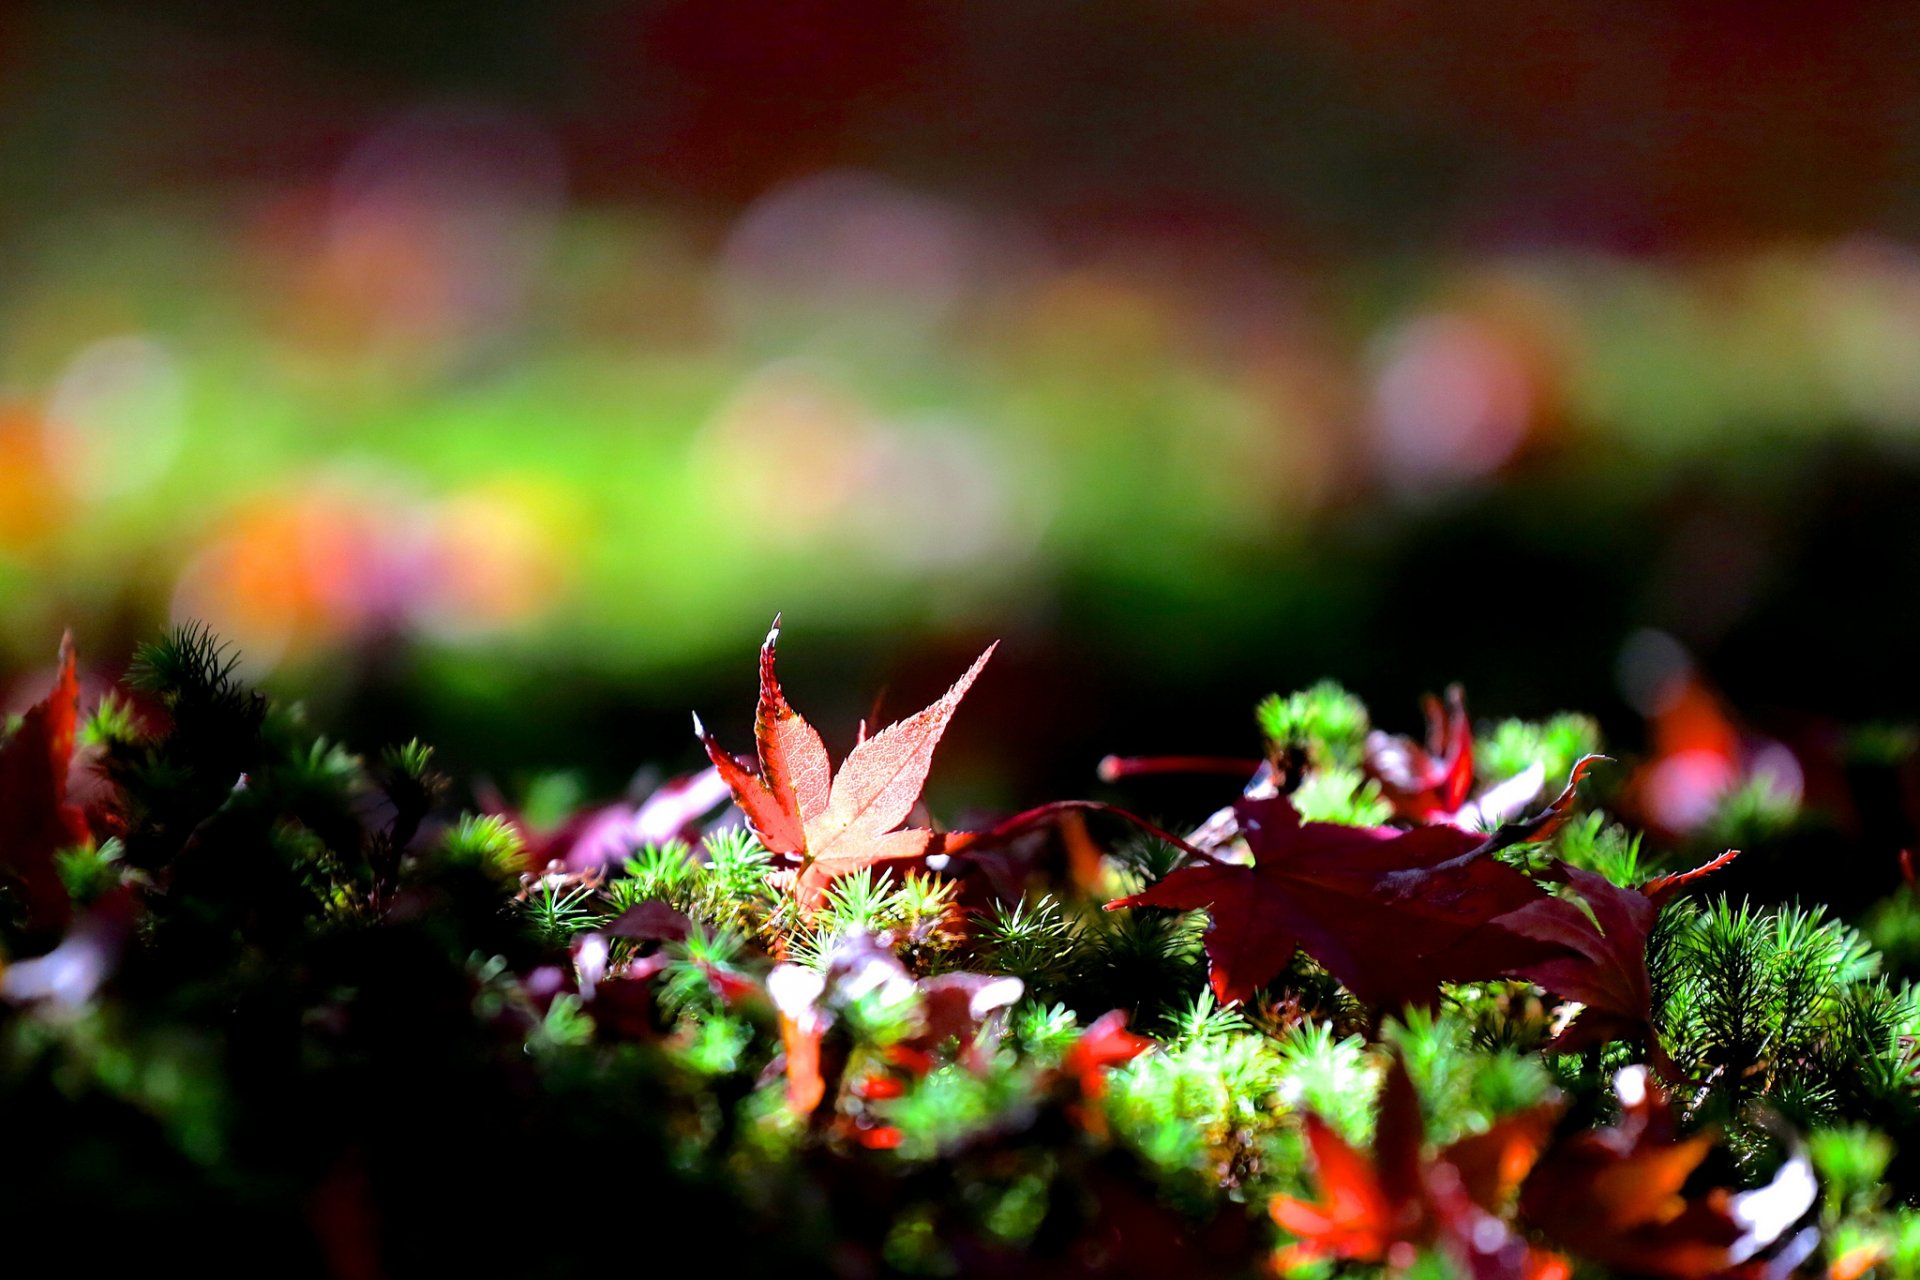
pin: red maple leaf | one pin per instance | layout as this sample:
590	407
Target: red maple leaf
1618	1197
1387	1206
36	821
834	823
1430	782
1390	913
1600	959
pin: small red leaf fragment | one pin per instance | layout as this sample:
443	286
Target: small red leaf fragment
1542	825
1105	1043
36	821
1663	887
882	1137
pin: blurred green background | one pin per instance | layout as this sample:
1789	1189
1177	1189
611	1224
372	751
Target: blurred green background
495	372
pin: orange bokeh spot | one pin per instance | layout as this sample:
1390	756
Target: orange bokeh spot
29	508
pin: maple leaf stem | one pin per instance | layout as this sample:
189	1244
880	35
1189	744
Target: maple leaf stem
1036	817
1114	768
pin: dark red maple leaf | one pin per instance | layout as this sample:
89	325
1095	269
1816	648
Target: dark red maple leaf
36	820
1600	959
1618	1196
834	823
1385	1207
1425	783
1390	913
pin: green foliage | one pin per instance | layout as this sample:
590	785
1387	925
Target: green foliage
951	1105
89	873
734	891
1756	813
1336	794
413	759
486	842
1044	1031
550	798
1033	940
113	722
1467	1085
1203	1019
1147	961
1784	1004
911	913
1555	745
556	910
1325	724
1330	1075
1885	744
1852	1164
188	665
1593	844
1892	925
1856	1216
565	1026
1207	1110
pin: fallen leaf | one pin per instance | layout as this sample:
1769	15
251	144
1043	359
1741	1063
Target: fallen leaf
1618	1196
1600	955
1386	1206
834	823
796	992
1390	913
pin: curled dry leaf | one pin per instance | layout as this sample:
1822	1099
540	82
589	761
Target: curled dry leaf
1425	783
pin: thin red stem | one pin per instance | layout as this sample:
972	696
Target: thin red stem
1114	768
1035	817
